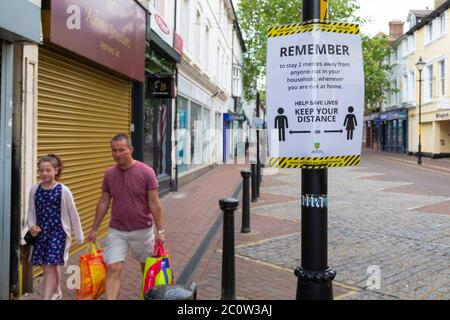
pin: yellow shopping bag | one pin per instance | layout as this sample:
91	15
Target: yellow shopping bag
92	274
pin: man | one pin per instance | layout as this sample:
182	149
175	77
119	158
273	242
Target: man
136	211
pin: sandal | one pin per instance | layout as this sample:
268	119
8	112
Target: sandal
57	296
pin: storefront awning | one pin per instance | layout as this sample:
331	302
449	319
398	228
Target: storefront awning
20	20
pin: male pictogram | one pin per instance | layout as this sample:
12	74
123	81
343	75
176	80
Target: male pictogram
350	123
281	122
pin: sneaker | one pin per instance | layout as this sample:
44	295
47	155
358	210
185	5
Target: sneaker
57	296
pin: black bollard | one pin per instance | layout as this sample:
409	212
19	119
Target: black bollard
258	178
246	201
254	183
228	206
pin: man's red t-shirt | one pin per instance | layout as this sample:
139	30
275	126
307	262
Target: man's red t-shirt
129	190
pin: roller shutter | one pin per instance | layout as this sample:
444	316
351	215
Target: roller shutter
80	109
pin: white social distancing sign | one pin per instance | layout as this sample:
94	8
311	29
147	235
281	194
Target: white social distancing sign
315	95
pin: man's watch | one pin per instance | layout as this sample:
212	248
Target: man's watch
161	231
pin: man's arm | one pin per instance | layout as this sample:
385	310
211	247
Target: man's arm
155	207
100	212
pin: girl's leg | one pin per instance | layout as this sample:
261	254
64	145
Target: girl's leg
58	280
50	278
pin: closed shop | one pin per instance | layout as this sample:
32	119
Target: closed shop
79	109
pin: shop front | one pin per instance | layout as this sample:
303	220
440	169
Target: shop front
19	25
195	131
394	131
434	130
93	54
155	115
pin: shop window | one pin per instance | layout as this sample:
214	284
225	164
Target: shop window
196	135
183	137
206	137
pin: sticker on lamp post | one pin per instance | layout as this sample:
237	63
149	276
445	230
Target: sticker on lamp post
315	95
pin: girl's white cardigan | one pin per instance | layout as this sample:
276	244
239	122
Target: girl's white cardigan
69	217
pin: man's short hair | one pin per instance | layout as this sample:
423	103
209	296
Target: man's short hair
122	136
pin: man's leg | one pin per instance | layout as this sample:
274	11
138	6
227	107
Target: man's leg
114	255
112	284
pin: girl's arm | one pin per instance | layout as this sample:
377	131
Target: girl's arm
31	213
74	217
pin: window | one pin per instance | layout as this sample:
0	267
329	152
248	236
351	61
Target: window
442	78
197	41
393	96
185	22
218	63
206	136
237	82
429	82
182	134
443	23
196	134
405	88
411	81
207	39
429	35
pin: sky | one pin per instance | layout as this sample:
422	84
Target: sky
383	11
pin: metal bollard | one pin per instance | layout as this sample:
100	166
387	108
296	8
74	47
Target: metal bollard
254	183
258	178
246	202
228	206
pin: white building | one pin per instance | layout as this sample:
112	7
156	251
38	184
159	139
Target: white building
209	82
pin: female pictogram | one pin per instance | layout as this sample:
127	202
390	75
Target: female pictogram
350	123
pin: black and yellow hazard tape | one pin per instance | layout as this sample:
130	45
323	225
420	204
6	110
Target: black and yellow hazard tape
315	163
332	27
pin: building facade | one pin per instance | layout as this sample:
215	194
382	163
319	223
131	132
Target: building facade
432	42
396	127
19	34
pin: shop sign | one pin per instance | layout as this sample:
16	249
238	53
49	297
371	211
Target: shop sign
239	117
441	115
160	26
109	32
178	43
162	87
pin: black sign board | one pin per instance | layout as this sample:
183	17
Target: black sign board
162	87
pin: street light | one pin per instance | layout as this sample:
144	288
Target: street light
420	65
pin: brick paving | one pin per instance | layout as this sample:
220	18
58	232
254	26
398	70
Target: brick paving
373	222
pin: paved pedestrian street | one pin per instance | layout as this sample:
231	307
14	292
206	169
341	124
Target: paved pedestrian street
376	226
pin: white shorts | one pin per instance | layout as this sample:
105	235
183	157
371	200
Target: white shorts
118	242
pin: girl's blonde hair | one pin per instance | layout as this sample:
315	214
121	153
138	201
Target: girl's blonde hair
56	163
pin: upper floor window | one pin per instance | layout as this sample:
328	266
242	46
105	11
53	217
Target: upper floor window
185	25
442	77
442	23
237	82
429	82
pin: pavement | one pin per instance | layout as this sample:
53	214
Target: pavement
384	244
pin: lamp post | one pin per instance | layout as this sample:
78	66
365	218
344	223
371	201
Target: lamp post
420	65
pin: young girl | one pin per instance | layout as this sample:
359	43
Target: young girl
52	216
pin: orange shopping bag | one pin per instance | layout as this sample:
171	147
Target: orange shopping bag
92	274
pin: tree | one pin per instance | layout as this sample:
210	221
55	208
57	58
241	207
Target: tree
257	16
376	73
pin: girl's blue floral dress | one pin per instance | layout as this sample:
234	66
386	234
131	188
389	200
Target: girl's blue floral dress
51	242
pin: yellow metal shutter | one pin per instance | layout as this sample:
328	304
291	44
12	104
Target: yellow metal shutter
80	109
